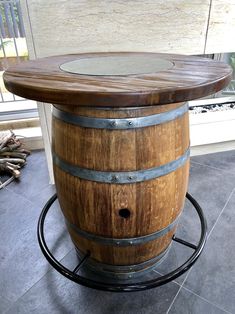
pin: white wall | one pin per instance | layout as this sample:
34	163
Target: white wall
180	26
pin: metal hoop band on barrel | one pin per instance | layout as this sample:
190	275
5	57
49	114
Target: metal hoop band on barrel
124	241
124	271
120	124
122	177
122	287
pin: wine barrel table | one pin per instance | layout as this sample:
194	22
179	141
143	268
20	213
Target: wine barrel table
120	144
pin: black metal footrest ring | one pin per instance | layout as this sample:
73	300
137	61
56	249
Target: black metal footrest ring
122	287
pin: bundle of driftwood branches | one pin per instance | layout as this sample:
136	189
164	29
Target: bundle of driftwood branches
12	156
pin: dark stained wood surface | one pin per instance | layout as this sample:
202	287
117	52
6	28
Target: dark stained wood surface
189	78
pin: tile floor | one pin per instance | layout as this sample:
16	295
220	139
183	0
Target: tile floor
28	284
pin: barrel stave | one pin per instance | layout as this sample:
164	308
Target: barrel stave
117	210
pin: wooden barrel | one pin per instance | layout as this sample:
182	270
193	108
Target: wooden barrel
121	177
120	146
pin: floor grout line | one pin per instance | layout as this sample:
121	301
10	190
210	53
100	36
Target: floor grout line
3	297
211	167
173	301
32	202
18	194
204	299
157	272
49	269
230	195
182	286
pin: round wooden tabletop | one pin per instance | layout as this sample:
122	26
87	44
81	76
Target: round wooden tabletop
117	79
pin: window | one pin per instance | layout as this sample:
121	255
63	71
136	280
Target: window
13	49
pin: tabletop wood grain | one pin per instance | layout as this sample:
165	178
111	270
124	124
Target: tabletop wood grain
188	78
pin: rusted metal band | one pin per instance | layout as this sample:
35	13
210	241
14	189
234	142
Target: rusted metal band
123	241
125	271
120	124
122	177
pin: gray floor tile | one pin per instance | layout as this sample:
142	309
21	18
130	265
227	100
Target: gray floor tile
59	295
4	305
10	200
211	188
43	195
21	261
201	181
23	269
188	303
223	160
177	255
213	277
34	176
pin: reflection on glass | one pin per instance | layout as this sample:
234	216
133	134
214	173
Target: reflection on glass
117	65
229	90
230	59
